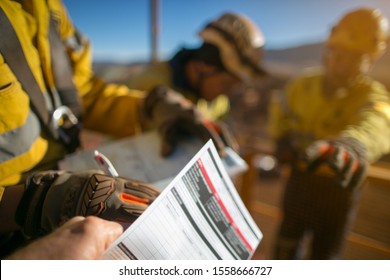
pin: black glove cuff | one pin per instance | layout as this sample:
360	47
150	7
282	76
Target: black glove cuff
29	212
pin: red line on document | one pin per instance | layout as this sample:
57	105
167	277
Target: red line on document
200	163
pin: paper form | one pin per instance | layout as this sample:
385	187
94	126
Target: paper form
199	215
138	157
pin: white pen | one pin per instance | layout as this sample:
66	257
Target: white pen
105	164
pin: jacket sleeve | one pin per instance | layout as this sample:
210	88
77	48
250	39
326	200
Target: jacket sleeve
373	125
108	108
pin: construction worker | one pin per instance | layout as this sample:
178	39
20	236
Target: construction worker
230	54
47	90
330	124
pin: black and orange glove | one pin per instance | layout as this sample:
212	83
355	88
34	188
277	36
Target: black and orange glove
346	156
175	117
53	197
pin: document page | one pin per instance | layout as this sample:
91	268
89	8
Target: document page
199	215
138	157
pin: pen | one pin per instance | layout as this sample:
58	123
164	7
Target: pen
105	164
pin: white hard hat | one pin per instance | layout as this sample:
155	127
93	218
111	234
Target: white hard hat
240	43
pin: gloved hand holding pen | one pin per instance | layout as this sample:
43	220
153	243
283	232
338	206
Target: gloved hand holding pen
53	197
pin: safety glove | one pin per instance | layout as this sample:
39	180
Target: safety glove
345	156
175	116
53	197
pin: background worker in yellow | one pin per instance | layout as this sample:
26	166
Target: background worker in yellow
230	54
41	114
337	117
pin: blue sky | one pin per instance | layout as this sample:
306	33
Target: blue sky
119	29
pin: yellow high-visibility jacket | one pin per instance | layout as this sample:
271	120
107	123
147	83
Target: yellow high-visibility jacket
361	111
160	73
108	108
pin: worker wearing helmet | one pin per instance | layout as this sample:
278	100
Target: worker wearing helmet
329	125
230	54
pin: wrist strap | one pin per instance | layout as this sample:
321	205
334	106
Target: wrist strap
29	212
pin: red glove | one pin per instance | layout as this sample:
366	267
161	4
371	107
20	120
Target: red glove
176	116
346	156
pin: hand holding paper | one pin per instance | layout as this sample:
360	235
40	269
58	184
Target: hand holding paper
198	216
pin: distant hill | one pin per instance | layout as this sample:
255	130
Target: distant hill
311	53
117	72
289	62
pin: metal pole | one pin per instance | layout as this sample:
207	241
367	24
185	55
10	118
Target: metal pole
154	29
